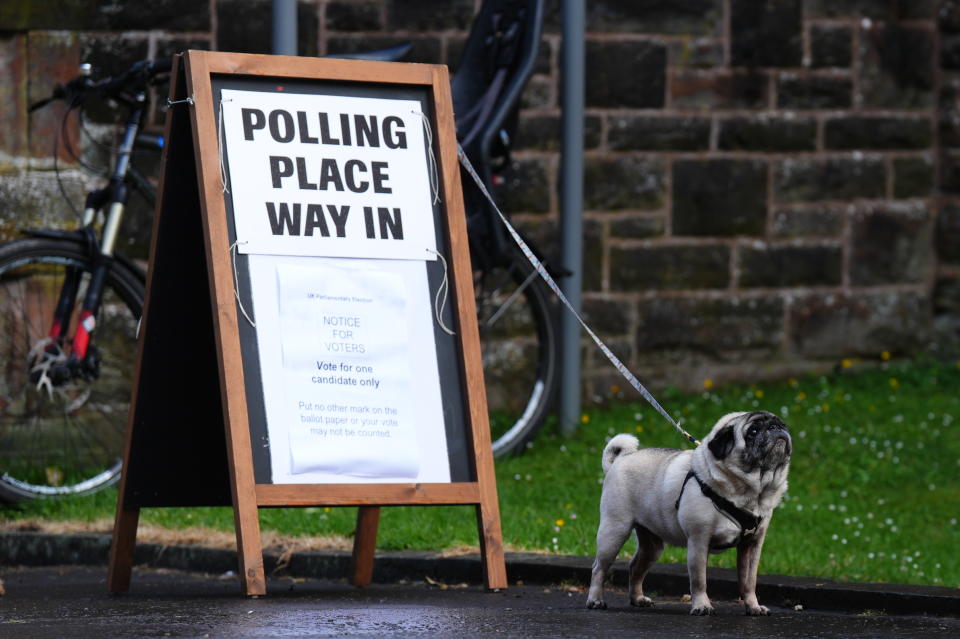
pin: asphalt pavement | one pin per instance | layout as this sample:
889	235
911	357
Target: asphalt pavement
55	586
48	602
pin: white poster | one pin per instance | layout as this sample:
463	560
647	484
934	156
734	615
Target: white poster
325	175
349	369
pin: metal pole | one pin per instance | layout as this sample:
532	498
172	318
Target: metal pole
284	27
571	207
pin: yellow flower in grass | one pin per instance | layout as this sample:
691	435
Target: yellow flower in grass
584	419
885	355
846	363
559	523
708	383
894	383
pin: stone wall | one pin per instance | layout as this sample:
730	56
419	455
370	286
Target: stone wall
760	184
762	191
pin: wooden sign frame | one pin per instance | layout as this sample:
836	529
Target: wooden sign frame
188	439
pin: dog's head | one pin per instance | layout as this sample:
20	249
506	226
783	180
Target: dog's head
751	440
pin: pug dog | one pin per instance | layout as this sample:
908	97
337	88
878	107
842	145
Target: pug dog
718	496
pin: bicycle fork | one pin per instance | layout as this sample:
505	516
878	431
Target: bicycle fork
55	367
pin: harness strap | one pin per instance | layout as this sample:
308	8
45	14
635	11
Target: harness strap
748	522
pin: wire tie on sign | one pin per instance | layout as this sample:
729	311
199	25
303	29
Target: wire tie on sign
188	100
542	271
434	175
220	145
443	289
236	283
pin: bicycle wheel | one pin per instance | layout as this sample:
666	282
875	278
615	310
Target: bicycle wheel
521	351
63	438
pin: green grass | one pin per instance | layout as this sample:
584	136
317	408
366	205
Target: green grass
874	485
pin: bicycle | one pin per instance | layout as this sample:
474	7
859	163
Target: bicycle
70	306
64	395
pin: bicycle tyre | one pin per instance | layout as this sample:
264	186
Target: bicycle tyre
521	351
67	439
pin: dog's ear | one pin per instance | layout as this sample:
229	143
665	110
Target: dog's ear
723	442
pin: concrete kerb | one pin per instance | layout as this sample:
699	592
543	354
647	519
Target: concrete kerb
40	549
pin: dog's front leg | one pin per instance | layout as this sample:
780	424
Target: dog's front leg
698	550
748	562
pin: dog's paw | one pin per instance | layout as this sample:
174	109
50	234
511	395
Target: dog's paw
596	604
641	602
702	611
757	611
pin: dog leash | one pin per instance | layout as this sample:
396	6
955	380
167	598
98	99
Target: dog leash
538	266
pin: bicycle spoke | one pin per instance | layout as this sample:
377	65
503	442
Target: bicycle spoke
25	323
105	446
34	443
87	437
510	300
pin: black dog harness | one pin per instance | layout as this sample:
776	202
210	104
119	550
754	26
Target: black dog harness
748	522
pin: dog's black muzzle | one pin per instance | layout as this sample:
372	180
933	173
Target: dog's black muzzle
767	440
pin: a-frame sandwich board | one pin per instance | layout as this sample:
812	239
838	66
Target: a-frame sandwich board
196	433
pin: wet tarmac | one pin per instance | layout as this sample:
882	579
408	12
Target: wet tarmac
72	602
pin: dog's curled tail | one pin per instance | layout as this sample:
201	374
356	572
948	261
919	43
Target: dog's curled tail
617	446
